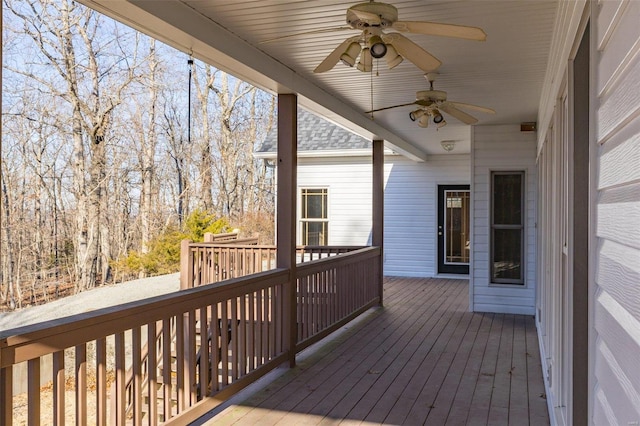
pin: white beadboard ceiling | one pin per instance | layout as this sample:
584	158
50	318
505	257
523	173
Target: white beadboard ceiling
505	73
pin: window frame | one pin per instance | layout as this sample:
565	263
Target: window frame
302	220
521	282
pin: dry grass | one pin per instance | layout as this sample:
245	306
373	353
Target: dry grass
21	402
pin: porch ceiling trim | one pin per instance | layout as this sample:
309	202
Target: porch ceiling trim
570	19
183	28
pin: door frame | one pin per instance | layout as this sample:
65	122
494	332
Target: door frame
442	266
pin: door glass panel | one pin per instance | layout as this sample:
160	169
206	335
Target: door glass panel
457	227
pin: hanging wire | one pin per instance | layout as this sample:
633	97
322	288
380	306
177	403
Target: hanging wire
190	64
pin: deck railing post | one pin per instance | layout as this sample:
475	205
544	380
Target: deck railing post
286	203
186	265
378	209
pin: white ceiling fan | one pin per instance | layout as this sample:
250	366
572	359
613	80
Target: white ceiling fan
430	104
372	19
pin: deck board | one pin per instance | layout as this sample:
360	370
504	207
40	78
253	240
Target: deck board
422	359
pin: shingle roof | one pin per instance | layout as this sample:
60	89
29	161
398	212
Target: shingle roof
317	134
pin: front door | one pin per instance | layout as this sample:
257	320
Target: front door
453	229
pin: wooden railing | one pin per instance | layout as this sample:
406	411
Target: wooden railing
95	345
331	292
210	262
226	336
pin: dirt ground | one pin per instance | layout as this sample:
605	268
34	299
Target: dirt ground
20	403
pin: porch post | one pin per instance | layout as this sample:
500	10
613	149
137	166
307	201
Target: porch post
377	237
286	213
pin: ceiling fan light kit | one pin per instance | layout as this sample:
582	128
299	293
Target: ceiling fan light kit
366	61
415	115
351	54
377	47
392	57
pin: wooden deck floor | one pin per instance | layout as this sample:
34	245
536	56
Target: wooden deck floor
422	359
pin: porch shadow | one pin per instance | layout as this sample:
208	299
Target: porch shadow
422	359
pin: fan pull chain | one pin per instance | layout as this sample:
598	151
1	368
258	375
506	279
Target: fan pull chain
371	92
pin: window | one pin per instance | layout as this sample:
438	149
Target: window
314	218
507	227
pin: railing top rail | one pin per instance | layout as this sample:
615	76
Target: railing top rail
328	248
229	242
318	265
239	244
30	342
233	244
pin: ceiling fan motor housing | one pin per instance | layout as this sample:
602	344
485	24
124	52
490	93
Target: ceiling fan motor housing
374	14
431	95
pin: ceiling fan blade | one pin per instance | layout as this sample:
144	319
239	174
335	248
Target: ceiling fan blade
333	58
321	31
411	51
460	115
473	107
390	107
444	30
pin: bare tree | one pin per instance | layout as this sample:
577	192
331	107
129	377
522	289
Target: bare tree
66	36
178	152
148	150
96	158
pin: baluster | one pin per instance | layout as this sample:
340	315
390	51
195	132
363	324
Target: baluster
136	354
251	341
166	369
81	384
120	383
234	339
101	380
261	322
203	373
223	324
190	359
242	336
180	361
152	373
33	389
216	351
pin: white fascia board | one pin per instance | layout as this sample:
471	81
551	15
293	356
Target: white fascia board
178	25
325	153
569	17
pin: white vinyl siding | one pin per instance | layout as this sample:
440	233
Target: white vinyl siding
616	304
348	181
410	227
495	149
410	211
